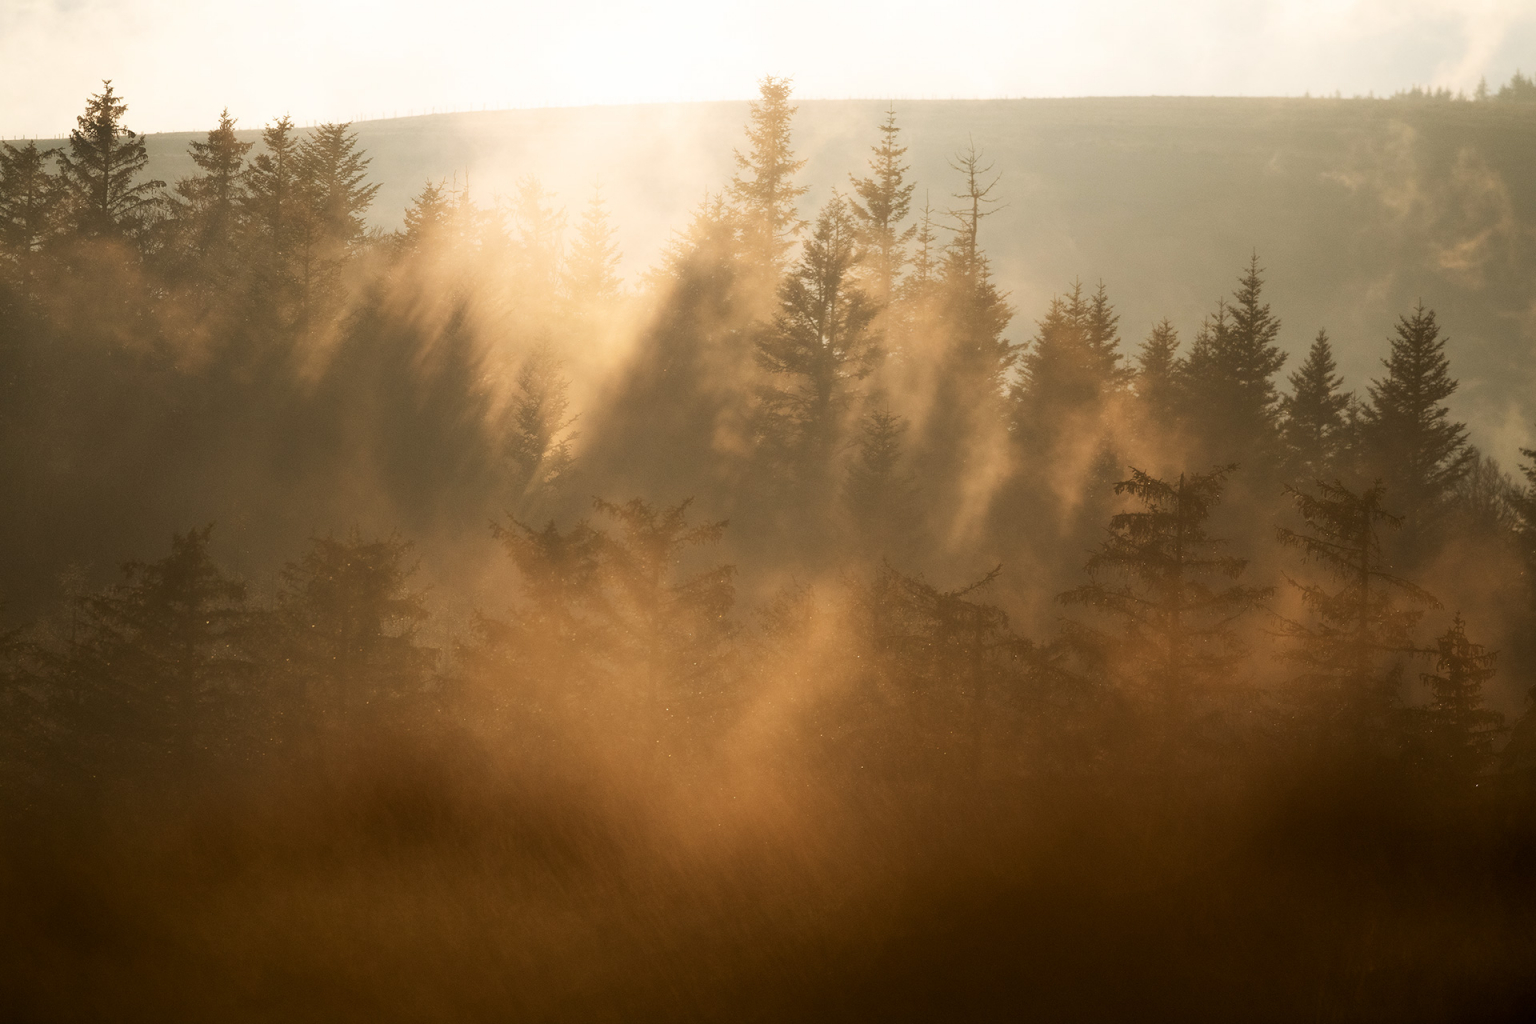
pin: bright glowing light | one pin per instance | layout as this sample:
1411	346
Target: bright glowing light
180	61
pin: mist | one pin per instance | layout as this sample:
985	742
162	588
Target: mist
932	560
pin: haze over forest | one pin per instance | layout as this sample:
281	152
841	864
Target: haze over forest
773	560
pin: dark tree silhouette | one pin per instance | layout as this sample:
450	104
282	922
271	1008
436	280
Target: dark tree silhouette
1459	730
156	669
30	206
1175	597
819	346
342	636
1315	425
1229	375
1157	374
101	170
1351	652
1407	434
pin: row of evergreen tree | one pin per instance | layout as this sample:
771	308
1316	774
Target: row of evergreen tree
841	387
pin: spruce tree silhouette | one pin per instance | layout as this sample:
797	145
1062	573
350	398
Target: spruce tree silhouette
1315	426
1407	435
1157	382
157	677
1351	652
30	211
1459	729
101	168
1159	575
1229	375
818	348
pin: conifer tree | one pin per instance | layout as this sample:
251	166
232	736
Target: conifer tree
591	270
30	200
278	212
155	674
1157	367
975	311
673	625
819	345
334	174
426	219
539	229
927	255
971	357
322	228
100	171
1229	375
886	200
763	191
1160	573
1407	434
1315	425
557	638
1072	365
1350	652
213	201
880	492
539	444
1460	729
343	633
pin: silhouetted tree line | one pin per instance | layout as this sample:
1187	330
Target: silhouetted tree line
1180	564
842	387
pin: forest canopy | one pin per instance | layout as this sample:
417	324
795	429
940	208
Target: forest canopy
804	570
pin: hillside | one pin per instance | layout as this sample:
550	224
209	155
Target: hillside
1358	208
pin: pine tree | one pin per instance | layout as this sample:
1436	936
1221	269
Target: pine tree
880	493
1157	374
672	626
155	674
557	638
1315	425
278	212
819	346
1350	652
1229	376
1408	436
927	256
1460	730
101	169
539	445
326	223
539	228
426	219
763	190
1160	574
334	175
343	633
886	200
213	202
1071	366
970	358
591	271
30	200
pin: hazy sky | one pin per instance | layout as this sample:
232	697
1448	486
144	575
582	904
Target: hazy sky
179	61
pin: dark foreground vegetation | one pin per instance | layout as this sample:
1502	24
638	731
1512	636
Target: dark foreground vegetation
933	675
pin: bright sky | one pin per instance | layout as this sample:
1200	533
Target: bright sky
177	62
